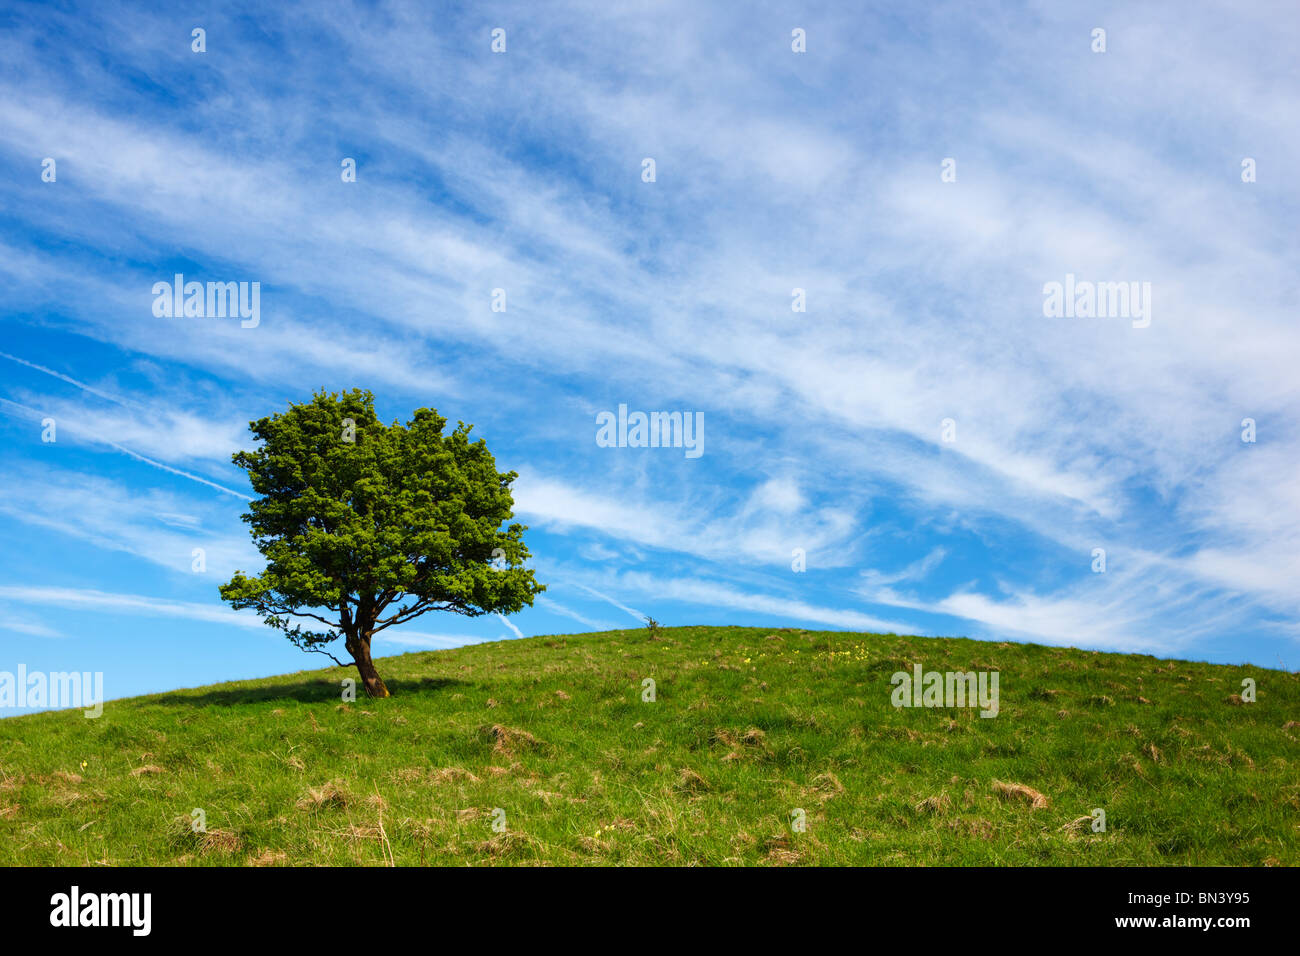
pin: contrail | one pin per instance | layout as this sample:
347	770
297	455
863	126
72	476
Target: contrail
176	471
507	622
622	607
71	381
137	455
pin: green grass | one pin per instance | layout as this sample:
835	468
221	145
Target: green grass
749	725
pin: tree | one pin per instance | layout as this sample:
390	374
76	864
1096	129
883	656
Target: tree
365	526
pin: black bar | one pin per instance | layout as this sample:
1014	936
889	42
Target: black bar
939	905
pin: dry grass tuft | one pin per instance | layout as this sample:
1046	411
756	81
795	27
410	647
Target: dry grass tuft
781	850
505	844
1018	791
827	785
451	774
935	805
220	841
977	828
691	782
507	740
747	744
328	795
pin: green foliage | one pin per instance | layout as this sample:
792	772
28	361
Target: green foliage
748	725
365	525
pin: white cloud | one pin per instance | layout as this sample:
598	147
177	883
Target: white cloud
147	523
20	625
89	598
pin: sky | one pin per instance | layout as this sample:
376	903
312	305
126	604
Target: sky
840	266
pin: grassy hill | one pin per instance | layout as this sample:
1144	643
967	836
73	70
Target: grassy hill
748	725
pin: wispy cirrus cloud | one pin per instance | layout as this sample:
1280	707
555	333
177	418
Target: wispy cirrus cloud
134	604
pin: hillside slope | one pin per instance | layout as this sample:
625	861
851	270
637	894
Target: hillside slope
550	735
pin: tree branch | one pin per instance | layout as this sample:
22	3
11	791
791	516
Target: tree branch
269	608
415	610
321	650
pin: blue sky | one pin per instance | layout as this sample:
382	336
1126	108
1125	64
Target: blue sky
775	171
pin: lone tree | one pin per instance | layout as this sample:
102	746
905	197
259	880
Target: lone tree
365	525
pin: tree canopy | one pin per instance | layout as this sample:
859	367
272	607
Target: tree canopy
365	526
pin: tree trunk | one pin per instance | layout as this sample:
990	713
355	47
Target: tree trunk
370	679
